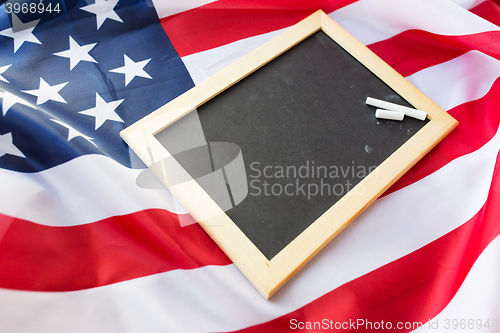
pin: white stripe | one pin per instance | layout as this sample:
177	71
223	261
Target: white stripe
371	21
203	65
84	190
166	8
478	298
462	79
468	4
219	298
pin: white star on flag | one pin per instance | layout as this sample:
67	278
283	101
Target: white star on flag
21	32
7	146
73	133
103	10
2	70
9	99
47	92
103	111
132	69
77	53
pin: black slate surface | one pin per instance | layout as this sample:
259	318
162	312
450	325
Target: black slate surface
305	108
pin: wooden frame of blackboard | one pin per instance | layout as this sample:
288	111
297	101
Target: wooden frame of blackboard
269	275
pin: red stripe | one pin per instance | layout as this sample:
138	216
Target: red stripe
478	123
414	50
413	288
37	257
226	21
488	10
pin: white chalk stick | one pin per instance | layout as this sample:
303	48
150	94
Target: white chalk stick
421	115
392	115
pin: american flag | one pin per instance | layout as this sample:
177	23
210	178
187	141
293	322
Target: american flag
83	248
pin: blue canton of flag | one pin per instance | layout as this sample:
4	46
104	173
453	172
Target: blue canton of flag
70	83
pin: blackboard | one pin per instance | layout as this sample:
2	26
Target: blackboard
295	105
293	113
